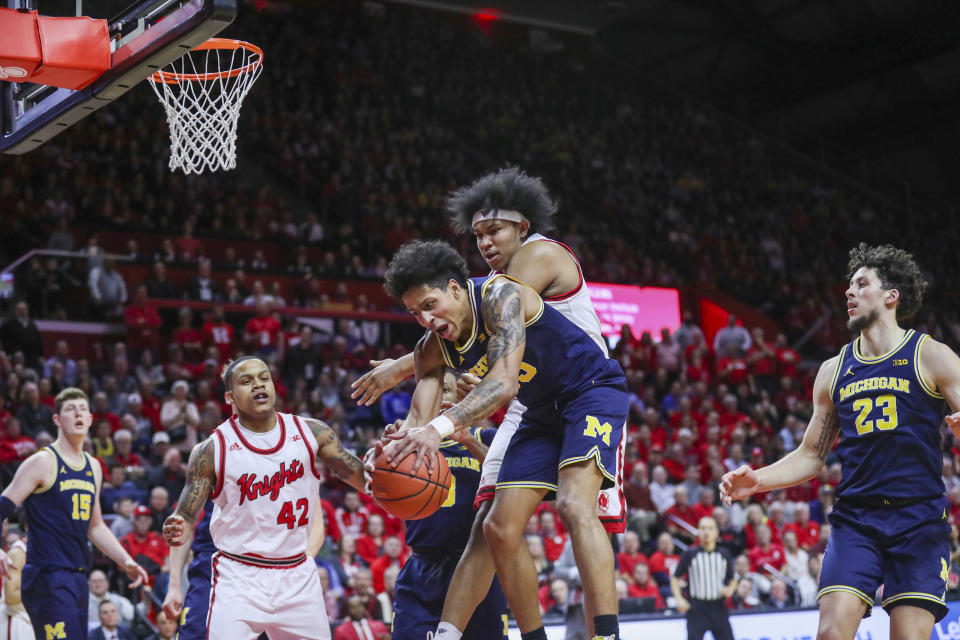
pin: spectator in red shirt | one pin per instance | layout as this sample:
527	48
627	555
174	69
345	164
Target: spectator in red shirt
147	547
643	586
359	625
14	446
776	522
393	555
762	360
787	357
755	518
674	463
681	510
808	531
189	249
636	492
765	553
143	324
351	516
189	338
553	540
705	504
664	560
788	396
330	521
629	557
732	370
219	333
370	545
123	452
263	332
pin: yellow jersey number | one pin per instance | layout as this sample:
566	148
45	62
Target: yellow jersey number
81	506
452	496
887	403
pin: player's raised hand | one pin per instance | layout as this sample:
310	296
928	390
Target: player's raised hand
738	484
173	603
465	384
174	530
953	421
371	385
136	574
391	429
424	441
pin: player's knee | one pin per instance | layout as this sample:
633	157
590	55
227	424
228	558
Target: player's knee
500	533
574	511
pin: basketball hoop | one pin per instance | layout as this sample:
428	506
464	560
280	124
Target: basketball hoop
202	93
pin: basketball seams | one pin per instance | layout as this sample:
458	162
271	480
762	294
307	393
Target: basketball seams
424	503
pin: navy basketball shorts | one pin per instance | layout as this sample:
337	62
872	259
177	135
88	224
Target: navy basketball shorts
196	603
57	602
906	549
421	588
584	428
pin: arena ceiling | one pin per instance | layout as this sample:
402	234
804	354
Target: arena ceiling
878	79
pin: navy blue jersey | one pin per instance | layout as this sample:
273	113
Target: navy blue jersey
202	545
559	362
449	527
58	516
890	420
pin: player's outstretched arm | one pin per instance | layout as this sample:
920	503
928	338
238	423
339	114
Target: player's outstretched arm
802	463
101	536
34	473
941	371
385	375
330	451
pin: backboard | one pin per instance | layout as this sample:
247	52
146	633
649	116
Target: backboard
145	35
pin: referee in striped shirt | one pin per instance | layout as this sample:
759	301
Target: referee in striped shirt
709	572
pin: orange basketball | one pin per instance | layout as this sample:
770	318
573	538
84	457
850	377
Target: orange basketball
407	495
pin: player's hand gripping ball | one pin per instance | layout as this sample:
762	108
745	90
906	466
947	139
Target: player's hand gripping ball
408	495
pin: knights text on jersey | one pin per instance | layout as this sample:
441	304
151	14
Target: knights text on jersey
267	489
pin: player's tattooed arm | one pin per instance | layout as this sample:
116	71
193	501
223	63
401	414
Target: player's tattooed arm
338	460
503	313
829	430
201	478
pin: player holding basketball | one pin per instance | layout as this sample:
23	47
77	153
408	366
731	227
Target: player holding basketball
60	489
574	406
515	207
438	542
885	393
259	470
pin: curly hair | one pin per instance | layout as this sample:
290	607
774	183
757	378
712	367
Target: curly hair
424	262
896	269
507	189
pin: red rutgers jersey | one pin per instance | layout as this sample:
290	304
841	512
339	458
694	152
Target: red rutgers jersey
267	489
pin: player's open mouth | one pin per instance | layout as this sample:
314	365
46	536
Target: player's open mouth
442	331
850	307
261	397
489	257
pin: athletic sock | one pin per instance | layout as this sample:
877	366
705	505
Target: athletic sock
606	626
536	634
446	631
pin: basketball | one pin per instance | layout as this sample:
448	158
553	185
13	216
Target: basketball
408	495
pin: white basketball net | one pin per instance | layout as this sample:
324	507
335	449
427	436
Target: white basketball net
202	93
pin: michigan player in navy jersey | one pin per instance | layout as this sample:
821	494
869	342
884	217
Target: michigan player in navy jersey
439	540
508	212
884	392
59	487
574	407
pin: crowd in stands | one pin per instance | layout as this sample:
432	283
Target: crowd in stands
361	140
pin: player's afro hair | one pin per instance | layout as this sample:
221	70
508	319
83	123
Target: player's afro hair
424	262
896	269
507	189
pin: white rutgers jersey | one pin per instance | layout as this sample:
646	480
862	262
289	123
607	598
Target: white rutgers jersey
575	305
267	489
